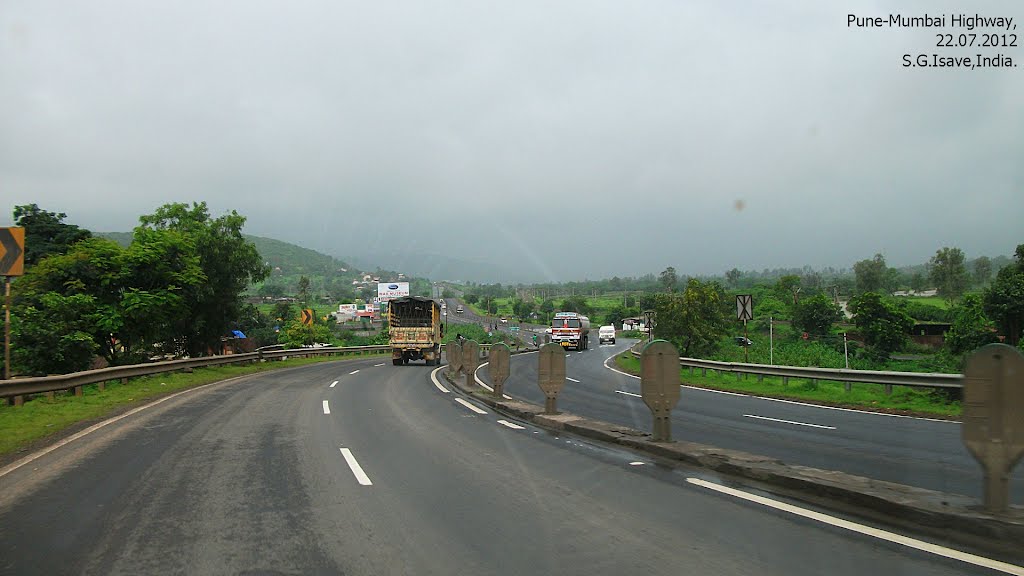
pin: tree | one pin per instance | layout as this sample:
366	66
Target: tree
282	312
870	274
46	233
815	315
575	304
694	320
126	299
297	334
523	308
229	262
787	289
471	298
982	270
668	278
732	277
304	290
971	328
615	315
883	324
949	273
547	307
55	336
1003	300
269	290
917	282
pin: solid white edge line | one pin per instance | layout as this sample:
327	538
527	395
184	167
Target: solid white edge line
572	379
28	459
327	407
481	382
789	422
333	384
357	470
628	393
510	425
470	406
353	372
865	530
437	383
787	401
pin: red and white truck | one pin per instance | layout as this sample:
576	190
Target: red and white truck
570	330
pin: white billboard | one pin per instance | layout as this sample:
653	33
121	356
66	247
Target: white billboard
389	290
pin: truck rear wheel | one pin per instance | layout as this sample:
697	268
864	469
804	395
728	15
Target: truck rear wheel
396	361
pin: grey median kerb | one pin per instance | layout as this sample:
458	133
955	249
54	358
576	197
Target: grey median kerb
951	517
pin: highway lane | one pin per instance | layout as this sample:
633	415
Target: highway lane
917	452
328	470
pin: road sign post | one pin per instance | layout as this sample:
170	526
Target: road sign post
993	417
12	263
498	367
470	361
659	385
649	322
551	374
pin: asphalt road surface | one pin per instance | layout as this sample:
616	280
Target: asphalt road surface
362	467
913	451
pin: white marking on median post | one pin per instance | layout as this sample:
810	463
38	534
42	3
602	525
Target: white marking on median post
333	384
327	408
790	422
866	530
357	470
470	406
510	425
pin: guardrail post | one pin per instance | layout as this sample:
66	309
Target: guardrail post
102	385
738	376
848	386
785	381
79	391
760	377
703	371
18	401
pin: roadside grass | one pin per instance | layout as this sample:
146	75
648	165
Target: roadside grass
904	400
937	301
41	419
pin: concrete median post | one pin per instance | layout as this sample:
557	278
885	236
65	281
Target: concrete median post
993	418
659	385
498	367
470	361
453	350
551	374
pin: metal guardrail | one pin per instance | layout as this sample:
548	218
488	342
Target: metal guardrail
889	379
75	380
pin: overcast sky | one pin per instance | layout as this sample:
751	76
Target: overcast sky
576	139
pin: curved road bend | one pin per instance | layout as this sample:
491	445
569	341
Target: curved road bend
366	468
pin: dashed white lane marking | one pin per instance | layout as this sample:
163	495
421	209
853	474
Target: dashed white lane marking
353	372
376	365
333	384
357	470
433	378
790	422
572	379
327	407
862	529
510	425
636	463
470	406
628	394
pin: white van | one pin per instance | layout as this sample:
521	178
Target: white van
606	333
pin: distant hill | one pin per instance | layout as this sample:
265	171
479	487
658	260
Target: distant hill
284	258
438	267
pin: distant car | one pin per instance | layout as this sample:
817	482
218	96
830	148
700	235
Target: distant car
459	310
504	320
743	341
606	333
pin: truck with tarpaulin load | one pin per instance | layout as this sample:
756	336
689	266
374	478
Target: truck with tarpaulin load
415	330
570	330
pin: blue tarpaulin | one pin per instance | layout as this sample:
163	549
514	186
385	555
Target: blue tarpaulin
238	334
